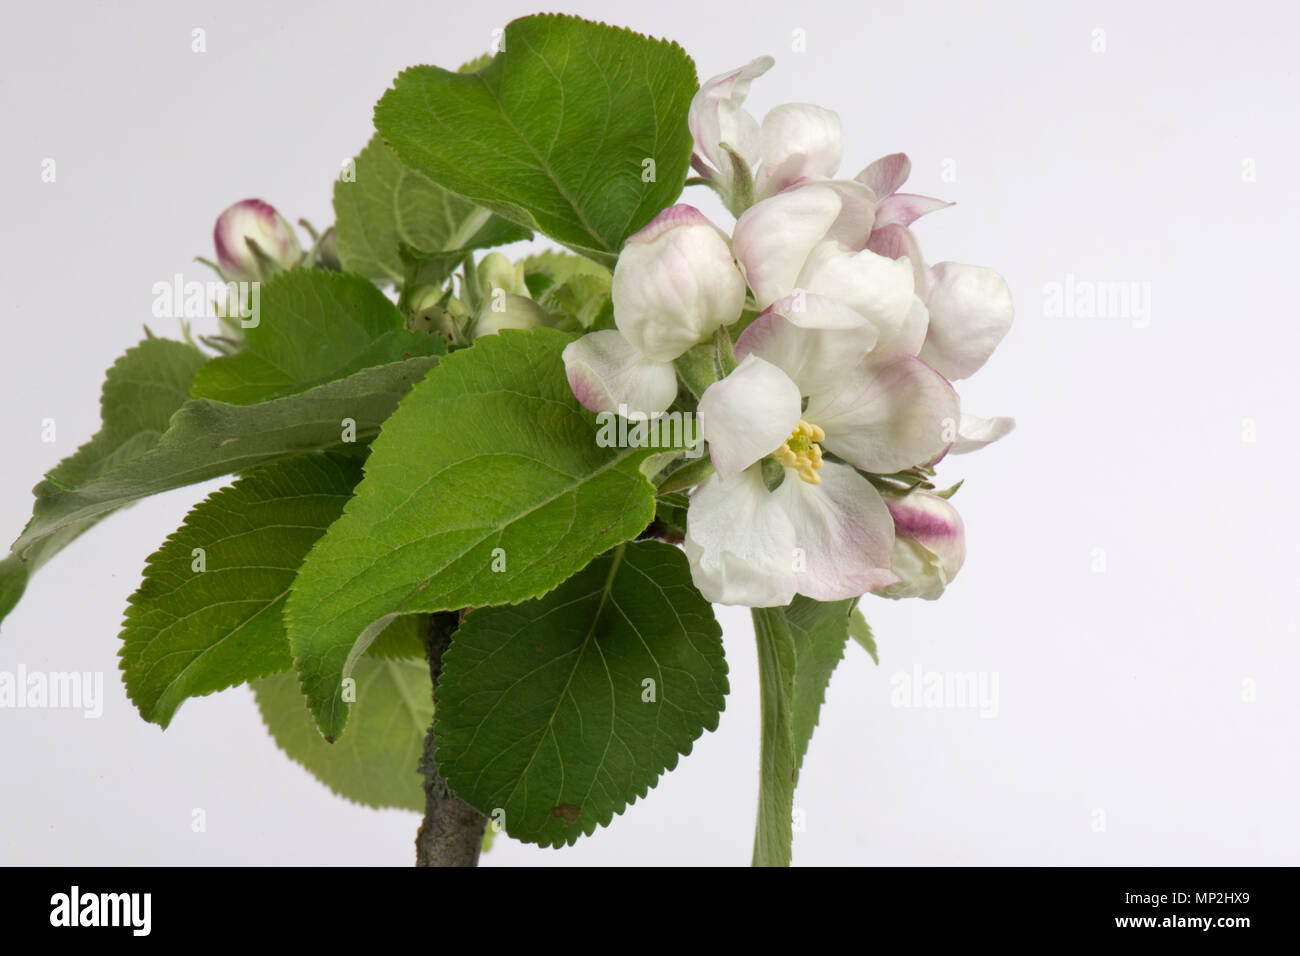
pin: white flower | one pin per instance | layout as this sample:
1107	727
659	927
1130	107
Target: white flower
796	141
674	284
249	223
504	302
824	531
791	254
970	309
929	545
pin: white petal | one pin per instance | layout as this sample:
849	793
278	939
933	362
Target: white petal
878	288
970	312
853	226
844	531
773	238
974	433
813	339
747	415
675	283
886	174
716	116
887	415
605	372
740	543
799	141
895	241
910	336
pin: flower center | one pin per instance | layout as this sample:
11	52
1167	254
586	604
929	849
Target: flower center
802	453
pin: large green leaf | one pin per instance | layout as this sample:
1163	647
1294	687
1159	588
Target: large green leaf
377	764
486	487
314	327
778	763
207	439
207	615
564	710
575	129
390	215
142	390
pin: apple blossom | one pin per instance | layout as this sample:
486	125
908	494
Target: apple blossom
824	532
253	240
675	283
504	302
929	545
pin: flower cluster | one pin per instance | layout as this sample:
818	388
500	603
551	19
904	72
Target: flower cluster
837	399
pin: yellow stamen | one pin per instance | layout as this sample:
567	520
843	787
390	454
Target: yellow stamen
802	453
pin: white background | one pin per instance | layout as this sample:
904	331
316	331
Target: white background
1120	690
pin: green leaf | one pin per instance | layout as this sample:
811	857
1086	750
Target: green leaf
820	632
377	764
314	327
142	390
207	615
486	487
554	133
546	710
391	215
778	762
860	631
207	439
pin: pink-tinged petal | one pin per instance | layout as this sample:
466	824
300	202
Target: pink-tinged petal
929	545
675	283
813	339
852	228
903	209
887	415
887	174
740	543
252	220
607	374
843	530
877	288
799	141
716	116
970	312
747	415
973	433
773	238
895	242
908	338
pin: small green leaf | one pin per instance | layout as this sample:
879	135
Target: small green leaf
207	615
860	631
820	632
142	390
564	710
575	129
314	327
378	763
390	215
207	439
778	761
486	487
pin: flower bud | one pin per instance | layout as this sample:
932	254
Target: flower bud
675	283
248	228
929	545
504	310
495	271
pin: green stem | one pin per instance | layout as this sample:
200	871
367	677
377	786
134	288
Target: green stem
774	831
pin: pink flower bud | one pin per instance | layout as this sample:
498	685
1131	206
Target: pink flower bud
929	545
252	222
